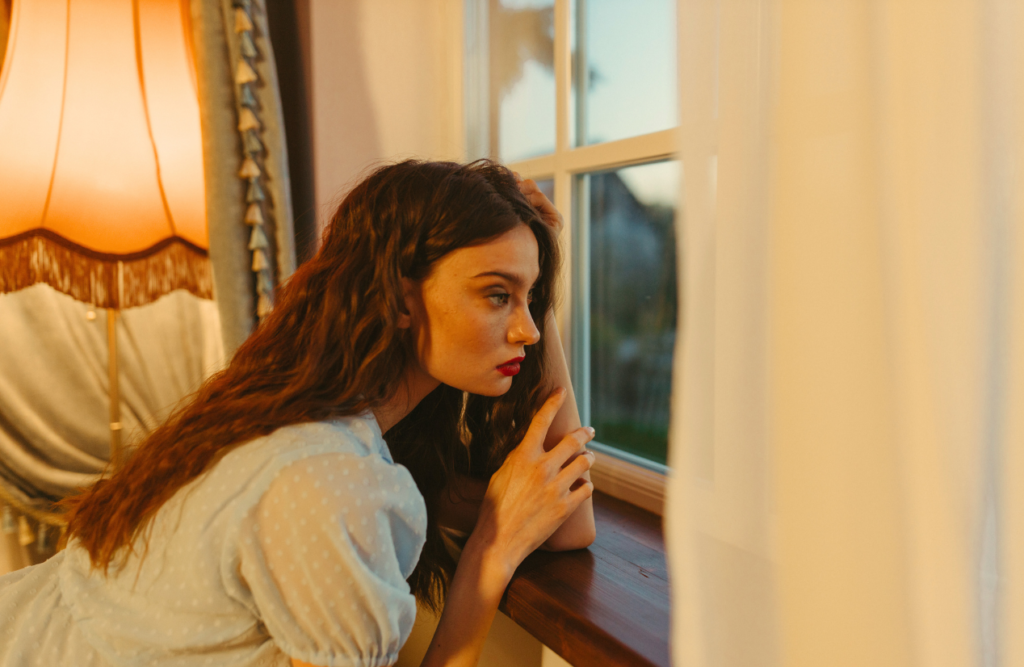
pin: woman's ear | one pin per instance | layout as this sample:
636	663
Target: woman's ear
408	296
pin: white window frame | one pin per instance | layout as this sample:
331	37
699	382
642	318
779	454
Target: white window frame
615	472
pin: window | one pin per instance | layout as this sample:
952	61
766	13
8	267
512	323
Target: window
581	95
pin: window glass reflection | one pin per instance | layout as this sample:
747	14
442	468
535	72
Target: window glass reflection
521	78
625	68
632	304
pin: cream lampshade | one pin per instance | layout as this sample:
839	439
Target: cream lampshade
101	166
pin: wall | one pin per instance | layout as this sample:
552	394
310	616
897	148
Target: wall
386	84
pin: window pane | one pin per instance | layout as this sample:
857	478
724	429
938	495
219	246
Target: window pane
631	252
626	55
520	79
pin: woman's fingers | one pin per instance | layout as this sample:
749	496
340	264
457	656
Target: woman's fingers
575	469
529	496
541	202
542	420
571	445
579	494
548	213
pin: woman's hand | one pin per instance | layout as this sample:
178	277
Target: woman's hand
534	491
526	500
548	213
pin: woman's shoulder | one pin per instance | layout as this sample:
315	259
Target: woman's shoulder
357	435
218	500
330	476
243	475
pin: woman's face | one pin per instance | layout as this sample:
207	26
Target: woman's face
470	317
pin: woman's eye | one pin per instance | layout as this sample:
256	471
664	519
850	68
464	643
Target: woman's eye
499	299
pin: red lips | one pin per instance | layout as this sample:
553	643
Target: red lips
510	367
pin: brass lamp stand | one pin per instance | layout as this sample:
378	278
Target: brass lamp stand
115	398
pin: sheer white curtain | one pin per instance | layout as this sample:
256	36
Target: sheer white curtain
848	434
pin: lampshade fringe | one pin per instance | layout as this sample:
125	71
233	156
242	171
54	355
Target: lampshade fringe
90	277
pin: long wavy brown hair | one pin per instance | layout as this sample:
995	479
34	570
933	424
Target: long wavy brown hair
332	347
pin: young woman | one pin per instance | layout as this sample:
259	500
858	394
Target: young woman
292	509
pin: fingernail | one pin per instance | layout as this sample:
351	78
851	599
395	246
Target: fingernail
591	431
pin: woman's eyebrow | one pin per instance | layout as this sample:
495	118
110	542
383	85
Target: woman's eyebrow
513	278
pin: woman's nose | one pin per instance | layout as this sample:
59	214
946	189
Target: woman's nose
523	331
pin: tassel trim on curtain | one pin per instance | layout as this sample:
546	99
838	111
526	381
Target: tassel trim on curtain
104	280
15	507
250	128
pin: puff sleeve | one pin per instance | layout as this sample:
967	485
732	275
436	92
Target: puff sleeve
326	552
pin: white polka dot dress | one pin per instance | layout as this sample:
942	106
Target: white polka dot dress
296	544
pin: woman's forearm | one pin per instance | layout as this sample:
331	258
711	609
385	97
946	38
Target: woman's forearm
578	531
473	597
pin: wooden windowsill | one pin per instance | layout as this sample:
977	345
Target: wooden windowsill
605	605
